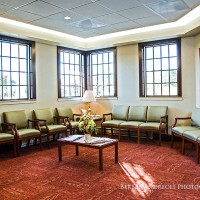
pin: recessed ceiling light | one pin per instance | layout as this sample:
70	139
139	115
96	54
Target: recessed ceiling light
67	17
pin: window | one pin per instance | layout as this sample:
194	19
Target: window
17	73
160	68
101	71
70	73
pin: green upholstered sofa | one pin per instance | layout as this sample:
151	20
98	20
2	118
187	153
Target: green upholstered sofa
138	118
189	132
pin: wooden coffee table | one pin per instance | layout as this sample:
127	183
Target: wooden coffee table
98	143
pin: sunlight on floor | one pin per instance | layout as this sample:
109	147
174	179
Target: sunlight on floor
142	181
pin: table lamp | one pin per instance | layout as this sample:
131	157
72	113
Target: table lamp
88	97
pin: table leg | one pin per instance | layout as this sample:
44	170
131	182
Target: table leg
116	152
60	151
77	150
100	159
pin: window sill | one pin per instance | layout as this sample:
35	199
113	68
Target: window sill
12	102
161	98
69	99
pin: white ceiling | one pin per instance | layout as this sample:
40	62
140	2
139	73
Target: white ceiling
95	17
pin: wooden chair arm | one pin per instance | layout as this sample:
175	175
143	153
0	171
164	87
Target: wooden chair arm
179	118
9	126
106	114
78	118
35	122
58	118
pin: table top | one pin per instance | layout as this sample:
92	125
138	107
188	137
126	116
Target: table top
94	141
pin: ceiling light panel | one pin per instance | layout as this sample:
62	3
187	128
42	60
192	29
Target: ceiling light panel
41	8
117	5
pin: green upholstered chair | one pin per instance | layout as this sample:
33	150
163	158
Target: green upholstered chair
189	132
8	137
22	128
136	116
157	121
71	118
118	115
48	123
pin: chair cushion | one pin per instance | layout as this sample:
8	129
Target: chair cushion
45	114
28	132
151	125
74	124
65	112
137	113
195	118
193	135
112	123
120	112
53	128
155	112
6	137
130	124
181	129
17	117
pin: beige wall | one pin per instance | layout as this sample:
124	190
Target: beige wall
128	82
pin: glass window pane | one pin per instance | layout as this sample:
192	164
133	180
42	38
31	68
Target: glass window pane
67	78
173	63
15	92
149	65
172	50
94	80
100	70
14	50
164	50
157	89
111	57
100	80
14	64
105	69
62	79
156	52
173	89
5	49
106	90
165	64
165	76
6	92
23	66
62	69
61	57
15	78
23	92
157	77
66	68
149	77
94	59
100	58
23	79
149	89
66	57
72	69
165	89
106	80
94	70
106	56
6	64
77	72
72	57
157	64
22	51
149	52
112	90
173	76
6	78
111	68
77	80
77	59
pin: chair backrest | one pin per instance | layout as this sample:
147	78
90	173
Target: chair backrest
120	112
137	113
45	114
195	118
16	117
155	112
65	112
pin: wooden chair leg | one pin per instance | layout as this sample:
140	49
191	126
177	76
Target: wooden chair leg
183	146
14	148
18	145
40	140
48	141
112	131
119	134
28	142
138	136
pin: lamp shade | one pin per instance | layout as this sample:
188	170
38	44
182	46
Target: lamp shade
88	96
